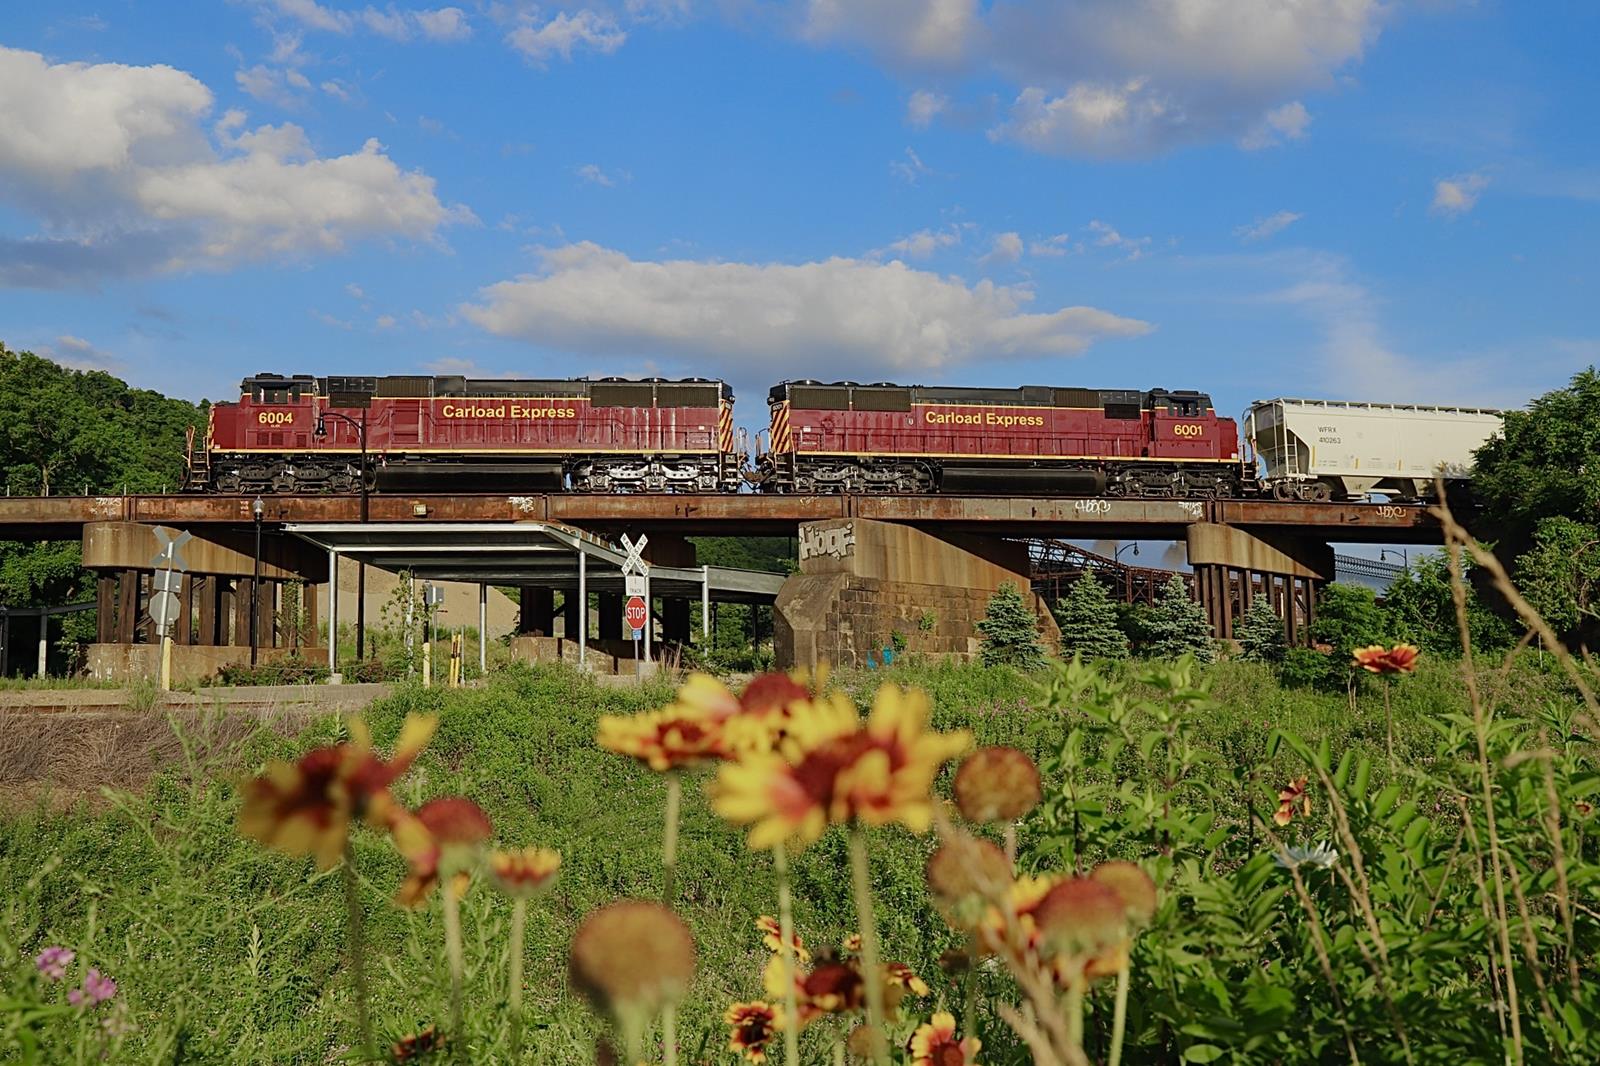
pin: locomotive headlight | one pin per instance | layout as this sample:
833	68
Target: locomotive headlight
322	426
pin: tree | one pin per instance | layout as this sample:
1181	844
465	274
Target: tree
1419	608
1560	575
1539	486
1010	631
1180	626
1088	621
1261	633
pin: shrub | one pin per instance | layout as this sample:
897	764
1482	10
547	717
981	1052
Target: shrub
1179	625
1010	632
1261	633
1088	621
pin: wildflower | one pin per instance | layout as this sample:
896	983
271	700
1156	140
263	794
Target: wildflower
851	944
1080	917
935	1044
840	987
441	836
1291	796
1583	808
996	785
526	872
834	769
772	937
116	1024
902	976
1322	856
751	1028
53	961
417	1046
305	807
97	988
665	739
632	958
963	875
1376	659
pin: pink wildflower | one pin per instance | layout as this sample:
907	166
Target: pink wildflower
97	988
53	962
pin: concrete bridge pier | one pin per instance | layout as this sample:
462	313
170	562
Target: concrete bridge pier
538	614
1232	567
864	586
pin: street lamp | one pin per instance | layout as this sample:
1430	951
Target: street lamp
1116	555
258	510
361	564
1405	560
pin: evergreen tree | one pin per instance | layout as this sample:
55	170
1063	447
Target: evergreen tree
1088	621
1010	631
1180	625
1261	633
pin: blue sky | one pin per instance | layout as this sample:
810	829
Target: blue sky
1330	197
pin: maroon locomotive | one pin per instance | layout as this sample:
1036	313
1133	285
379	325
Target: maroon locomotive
885	438
324	434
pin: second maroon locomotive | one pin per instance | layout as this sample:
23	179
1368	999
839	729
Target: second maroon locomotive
885	438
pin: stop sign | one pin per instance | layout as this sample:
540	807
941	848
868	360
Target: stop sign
636	614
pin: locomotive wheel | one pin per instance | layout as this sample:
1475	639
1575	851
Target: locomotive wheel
1320	493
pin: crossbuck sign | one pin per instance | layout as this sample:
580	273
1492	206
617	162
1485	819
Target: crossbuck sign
634	563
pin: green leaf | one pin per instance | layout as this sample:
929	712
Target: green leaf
1202	1053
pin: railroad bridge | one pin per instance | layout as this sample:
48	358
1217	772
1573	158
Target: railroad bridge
911	570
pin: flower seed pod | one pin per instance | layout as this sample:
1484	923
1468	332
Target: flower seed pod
1133	886
630	959
965	876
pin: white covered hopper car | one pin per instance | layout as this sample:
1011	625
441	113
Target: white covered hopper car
1334	449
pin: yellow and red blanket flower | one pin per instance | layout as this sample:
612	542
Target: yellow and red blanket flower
839	987
1292	796
834	769
306	807
772	936
751	1027
442	833
903	976
1030	944
417	1046
524	872
1376	659
666	739
996	785
936	1044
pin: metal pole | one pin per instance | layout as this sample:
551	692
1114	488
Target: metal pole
705	603
361	570
255	580
649	614
583	609
483	629
44	642
333	611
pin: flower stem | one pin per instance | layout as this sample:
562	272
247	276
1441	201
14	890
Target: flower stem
1011	844
669	839
669	1035
519	922
969	1020
1388	721
861	879
791	1027
1119	1019
358	952
452	950
1075	1013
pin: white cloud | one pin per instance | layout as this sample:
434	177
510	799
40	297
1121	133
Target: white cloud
839	316
1006	248
595	174
330	320
564	33
385	322
444	24
451	364
79	354
1262	228
269	85
1288	122
1051	247
924	106
396	24
1107	236
1458	195
1122	77
336	89
115	163
910	168
938	32
356	292
923	243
